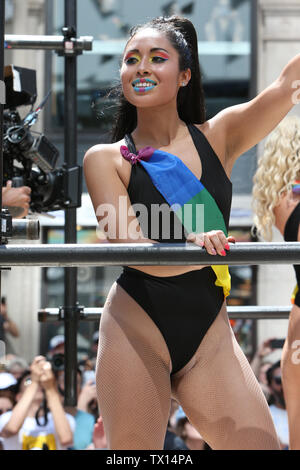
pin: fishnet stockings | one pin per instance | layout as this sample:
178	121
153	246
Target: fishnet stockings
221	396
216	389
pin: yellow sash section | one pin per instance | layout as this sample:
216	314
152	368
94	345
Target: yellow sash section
223	278
294	294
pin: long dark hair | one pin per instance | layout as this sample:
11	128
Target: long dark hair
190	99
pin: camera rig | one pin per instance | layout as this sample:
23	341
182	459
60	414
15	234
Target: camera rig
29	158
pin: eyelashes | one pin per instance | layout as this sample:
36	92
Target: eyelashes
157	59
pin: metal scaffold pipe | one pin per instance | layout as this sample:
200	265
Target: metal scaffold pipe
139	254
237	312
55	43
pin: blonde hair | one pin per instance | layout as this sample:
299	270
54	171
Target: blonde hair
278	168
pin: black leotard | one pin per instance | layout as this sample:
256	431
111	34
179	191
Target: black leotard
184	306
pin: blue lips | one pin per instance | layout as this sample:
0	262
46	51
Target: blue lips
143	89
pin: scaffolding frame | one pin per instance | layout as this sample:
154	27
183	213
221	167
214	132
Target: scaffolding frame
68	46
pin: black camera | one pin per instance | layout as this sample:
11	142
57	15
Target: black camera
58	362
29	158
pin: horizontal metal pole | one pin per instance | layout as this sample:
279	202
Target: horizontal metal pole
56	43
139	254
258	312
242	312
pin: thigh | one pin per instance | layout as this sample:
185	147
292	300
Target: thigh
221	396
133	375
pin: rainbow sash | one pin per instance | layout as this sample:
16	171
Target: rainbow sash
188	198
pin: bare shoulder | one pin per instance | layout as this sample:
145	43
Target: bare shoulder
107	159
102	154
214	131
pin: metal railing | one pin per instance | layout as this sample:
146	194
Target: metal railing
236	312
142	254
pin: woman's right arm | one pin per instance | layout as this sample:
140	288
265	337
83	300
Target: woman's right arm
110	197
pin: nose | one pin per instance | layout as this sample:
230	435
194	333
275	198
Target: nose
144	67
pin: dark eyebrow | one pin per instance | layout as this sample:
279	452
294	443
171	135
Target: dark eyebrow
154	49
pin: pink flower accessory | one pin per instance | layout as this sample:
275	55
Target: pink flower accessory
143	154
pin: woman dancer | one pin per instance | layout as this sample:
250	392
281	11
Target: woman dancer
164	330
276	201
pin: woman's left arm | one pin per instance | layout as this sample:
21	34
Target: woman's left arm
245	125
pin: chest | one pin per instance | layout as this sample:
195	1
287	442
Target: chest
186	151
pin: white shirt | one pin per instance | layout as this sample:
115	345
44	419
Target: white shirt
280	418
32	436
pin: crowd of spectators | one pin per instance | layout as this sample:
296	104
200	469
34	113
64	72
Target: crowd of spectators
33	415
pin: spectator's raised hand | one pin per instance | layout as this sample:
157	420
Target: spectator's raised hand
47	378
265	348
87	394
36	368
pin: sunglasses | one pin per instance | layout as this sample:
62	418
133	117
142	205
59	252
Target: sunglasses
4	411
277	380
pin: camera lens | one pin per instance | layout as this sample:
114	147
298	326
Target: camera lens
58	362
19	136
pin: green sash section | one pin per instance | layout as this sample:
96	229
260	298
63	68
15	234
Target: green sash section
201	214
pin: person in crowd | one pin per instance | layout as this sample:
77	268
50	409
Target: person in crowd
84	418
277	404
276	203
7	381
260	365
16	366
38	420
164	330
99	440
7	402
189	435
7	325
56	345
16	200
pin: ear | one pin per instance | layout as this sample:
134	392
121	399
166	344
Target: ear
184	77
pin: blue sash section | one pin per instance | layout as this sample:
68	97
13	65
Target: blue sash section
172	177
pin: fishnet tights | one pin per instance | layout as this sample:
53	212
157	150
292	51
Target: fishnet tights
217	388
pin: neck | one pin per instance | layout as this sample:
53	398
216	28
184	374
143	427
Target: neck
33	409
157	127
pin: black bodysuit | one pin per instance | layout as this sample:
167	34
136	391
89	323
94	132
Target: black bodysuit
291	235
184	306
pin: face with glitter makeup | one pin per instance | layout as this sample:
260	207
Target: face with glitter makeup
150	72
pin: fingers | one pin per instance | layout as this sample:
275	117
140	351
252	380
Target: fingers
215	242
26	189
